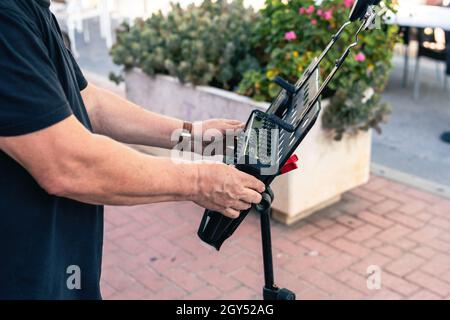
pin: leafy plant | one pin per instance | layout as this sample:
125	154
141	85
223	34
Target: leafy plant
207	44
289	34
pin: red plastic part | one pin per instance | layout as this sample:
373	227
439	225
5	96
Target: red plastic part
290	165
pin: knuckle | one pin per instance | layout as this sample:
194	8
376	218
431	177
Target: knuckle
242	191
230	202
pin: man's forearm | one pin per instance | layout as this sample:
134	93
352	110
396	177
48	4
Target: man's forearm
118	175
98	170
126	122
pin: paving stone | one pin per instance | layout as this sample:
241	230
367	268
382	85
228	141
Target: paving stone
152	252
405	264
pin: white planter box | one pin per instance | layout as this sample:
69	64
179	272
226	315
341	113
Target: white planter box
327	168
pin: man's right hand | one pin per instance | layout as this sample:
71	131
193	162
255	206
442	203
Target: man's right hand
225	189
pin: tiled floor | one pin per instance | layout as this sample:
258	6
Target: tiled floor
152	252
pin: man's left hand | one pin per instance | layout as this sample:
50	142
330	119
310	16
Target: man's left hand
215	131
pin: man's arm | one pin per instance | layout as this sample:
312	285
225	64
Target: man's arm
69	161
126	122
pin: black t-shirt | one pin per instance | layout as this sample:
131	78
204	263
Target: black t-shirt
50	247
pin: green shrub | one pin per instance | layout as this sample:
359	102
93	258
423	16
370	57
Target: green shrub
207	44
289	34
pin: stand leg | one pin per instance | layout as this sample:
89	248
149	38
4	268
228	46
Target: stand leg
416	93
406	67
266	238
270	290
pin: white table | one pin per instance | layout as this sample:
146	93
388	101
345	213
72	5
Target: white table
421	16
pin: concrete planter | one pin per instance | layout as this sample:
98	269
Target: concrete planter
327	168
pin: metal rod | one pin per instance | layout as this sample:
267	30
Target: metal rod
266	238
338	64
330	45
333	72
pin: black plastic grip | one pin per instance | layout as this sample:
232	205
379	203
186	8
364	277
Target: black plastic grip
215	228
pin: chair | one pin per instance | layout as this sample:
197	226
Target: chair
433	44
404	33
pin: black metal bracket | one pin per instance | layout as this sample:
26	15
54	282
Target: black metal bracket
275	120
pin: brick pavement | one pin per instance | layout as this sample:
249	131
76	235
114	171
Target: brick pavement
152	252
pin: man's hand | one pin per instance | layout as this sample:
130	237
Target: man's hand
215	132
227	190
222	125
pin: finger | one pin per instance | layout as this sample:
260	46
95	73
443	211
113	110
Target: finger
253	183
241	205
251	196
234	124
237	126
216	208
231	213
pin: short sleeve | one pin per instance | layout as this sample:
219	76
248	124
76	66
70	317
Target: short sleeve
31	96
81	80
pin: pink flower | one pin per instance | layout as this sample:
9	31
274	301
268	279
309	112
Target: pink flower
302	10
328	15
319	12
360	57
348	3
289	36
310	9
313	22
